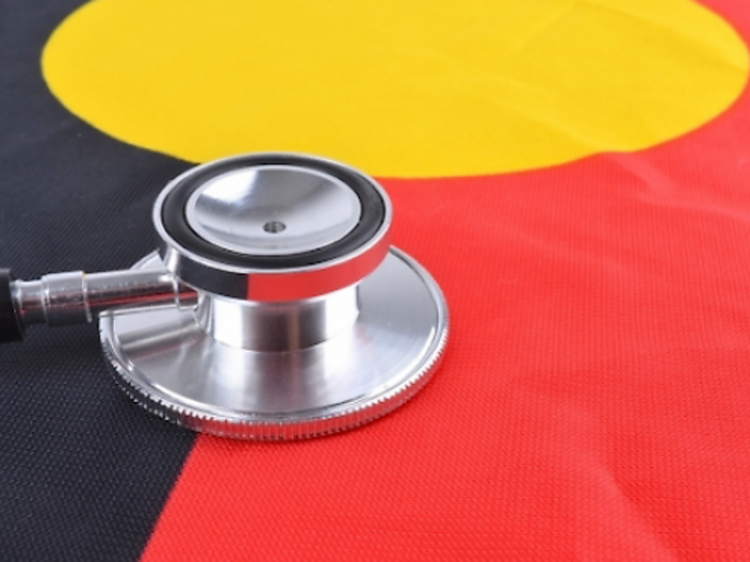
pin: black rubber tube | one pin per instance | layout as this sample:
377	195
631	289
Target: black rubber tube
11	327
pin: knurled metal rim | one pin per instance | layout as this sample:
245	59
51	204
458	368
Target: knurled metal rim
266	431
357	413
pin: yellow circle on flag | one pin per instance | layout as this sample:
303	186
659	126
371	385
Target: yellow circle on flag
398	89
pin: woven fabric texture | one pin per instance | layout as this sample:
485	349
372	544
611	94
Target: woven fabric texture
594	400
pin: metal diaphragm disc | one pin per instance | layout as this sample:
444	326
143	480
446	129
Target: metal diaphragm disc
273	210
166	362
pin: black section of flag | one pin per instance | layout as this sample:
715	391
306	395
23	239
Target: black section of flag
84	472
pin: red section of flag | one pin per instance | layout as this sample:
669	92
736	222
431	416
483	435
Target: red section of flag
595	398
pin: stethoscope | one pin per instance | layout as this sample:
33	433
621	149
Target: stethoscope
274	308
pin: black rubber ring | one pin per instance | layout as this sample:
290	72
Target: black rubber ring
176	225
11	328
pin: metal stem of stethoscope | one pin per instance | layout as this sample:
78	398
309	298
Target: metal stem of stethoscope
275	307
76	297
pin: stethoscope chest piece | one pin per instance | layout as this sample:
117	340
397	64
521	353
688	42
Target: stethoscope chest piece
293	316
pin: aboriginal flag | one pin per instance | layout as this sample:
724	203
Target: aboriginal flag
575	175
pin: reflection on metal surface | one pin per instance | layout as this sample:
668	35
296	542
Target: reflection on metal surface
278	326
168	363
299	209
76	297
273	210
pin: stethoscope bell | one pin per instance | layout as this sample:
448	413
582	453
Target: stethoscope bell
275	307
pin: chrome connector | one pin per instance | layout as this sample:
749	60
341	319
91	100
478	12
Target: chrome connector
76	297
